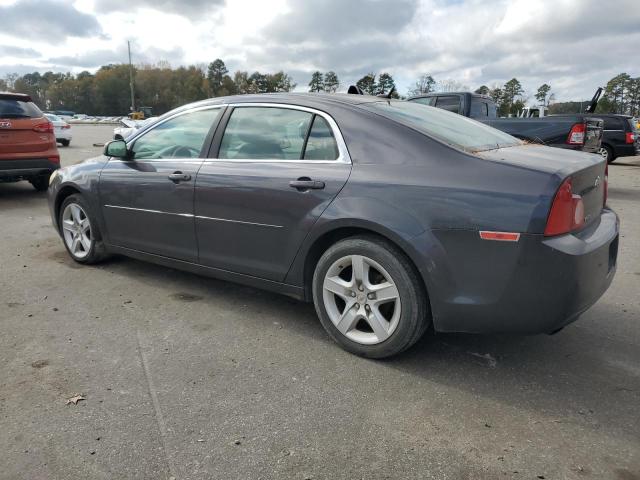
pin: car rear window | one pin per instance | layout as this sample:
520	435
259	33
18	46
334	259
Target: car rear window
11	108
450	128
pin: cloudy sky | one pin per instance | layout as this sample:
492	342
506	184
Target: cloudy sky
574	45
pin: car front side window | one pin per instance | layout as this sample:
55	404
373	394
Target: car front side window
179	137
265	133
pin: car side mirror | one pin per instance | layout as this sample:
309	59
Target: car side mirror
117	148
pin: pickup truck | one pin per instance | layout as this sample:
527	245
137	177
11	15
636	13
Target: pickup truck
577	132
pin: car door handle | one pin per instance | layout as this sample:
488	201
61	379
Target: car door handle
305	183
179	177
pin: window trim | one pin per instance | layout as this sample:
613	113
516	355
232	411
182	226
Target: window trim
343	153
207	140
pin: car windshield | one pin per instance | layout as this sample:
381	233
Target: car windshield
12	108
450	128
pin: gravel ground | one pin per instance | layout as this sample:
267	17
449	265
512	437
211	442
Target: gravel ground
191	378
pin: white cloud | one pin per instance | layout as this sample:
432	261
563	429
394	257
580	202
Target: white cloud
569	44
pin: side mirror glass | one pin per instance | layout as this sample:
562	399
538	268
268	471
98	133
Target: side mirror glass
116	148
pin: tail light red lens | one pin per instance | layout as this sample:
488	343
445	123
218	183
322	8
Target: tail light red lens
567	211
43	127
55	159
64	127
631	137
577	134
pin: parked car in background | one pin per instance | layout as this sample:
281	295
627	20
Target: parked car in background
388	215
620	136
64	114
128	127
573	132
61	129
28	149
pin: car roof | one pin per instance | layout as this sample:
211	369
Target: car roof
610	115
295	99
432	94
15	96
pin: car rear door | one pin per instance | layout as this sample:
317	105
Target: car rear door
147	201
275	170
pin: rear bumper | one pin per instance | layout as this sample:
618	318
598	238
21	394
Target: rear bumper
17	169
63	135
535	285
627	150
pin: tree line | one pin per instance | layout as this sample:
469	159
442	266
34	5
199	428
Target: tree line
159	86
163	88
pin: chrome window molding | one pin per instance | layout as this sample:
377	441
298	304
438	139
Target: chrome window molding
343	153
177	114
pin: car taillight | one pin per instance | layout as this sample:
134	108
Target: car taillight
55	158
631	137
576	135
567	211
43	127
66	126
606	185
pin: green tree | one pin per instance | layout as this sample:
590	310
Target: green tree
386	84
317	82
3	85
483	90
368	84
616	95
543	92
216	71
279	82
425	84
331	82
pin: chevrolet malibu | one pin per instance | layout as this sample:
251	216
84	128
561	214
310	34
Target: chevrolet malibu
390	216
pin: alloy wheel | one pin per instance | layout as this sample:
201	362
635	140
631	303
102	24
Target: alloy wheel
604	153
76	229
361	299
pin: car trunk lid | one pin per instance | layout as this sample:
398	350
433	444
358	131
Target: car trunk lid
17	135
587	171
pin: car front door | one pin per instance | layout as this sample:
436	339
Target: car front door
147	199
276	169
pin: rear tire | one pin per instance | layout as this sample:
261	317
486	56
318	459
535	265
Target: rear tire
369	297
40	183
607	153
80	232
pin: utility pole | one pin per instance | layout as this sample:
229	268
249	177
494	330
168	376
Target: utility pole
133	102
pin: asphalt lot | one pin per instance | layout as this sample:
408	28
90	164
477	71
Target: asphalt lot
194	378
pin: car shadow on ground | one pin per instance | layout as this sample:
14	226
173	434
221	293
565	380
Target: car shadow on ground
577	375
20	195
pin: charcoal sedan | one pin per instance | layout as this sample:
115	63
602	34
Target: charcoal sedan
390	216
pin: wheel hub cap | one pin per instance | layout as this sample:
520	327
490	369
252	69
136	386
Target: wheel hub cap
76	230
361	299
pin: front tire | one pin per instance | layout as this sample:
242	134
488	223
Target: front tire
80	232
369	297
65	143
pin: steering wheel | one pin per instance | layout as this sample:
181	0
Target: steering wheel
178	151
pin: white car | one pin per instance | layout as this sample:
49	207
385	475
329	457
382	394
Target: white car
128	126
61	128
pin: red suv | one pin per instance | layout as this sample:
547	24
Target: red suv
28	148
